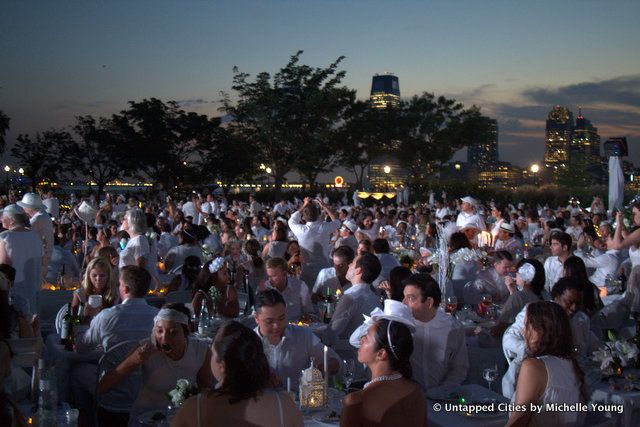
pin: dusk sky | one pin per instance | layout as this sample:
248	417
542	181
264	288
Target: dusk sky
514	59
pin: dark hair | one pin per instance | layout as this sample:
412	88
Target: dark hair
370	266
192	264
286	252
247	371
363	215
575	269
268	298
563	238
556	337
205	278
427	286
396	277
381	246
345	253
564	284
402	342
178	306
310	213
281	232
366	243
538	281
137	278
188	234
502	255
458	240
252	247
5	316
8	271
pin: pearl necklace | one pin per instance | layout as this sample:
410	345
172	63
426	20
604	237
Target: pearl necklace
391	377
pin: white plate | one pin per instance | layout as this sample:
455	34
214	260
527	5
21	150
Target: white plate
448	393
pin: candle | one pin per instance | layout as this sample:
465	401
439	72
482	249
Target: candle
288	385
326	374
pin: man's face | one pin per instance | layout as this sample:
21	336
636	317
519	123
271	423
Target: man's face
502	267
352	271
570	301
503	235
556	248
277	277
466	207
413	300
341	266
271	321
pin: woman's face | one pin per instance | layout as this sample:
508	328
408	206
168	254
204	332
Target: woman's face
495	213
222	275
98	277
531	336
368	346
170	338
293	249
519	280
5	222
636	216
367	222
362	249
235	250
217	368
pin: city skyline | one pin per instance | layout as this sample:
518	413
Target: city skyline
516	61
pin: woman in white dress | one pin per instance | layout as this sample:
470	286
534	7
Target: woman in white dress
139	251
169	355
550	373
22	249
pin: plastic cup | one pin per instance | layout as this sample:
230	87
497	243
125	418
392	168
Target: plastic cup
95	301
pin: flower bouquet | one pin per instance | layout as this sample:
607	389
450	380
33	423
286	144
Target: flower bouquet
207	253
182	392
615	355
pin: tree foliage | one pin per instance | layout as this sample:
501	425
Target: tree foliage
4	127
41	159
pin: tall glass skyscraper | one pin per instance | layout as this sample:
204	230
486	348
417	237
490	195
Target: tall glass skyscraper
385	91
483	153
559	132
585	141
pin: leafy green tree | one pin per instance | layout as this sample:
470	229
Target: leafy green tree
290	119
41	159
4	127
433	129
102	153
162	137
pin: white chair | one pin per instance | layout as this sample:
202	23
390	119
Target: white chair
60	318
121	398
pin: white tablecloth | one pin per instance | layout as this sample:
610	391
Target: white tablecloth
474	392
630	417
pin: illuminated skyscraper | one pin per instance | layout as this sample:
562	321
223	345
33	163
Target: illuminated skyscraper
483	153
585	141
385	91
558	136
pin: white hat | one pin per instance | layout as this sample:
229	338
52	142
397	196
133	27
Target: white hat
13	209
505	226
86	212
396	311
350	225
31	201
470	200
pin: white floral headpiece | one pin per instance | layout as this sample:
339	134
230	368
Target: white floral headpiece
216	265
527	272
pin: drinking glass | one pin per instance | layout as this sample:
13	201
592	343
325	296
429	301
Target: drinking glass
486	300
452	304
348	373
490	374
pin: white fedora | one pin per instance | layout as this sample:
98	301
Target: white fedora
13	210
31	201
396	311
85	212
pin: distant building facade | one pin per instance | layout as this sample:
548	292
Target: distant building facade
558	135
483	152
385	91
585	141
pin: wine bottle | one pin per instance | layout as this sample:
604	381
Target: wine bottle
67	322
248	305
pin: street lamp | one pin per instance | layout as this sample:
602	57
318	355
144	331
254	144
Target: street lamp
268	171
7	168
387	170
457	166
21	171
535	168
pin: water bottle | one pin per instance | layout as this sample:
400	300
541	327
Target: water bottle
48	395
204	323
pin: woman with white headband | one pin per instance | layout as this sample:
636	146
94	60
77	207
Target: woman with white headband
168	355
391	398
526	288
214	274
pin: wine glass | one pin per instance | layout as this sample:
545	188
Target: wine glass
486	301
452	304
490	374
348	373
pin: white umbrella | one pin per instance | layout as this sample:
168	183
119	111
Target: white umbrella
616	184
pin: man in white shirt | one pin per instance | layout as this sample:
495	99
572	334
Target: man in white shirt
254	206
468	216
441	210
51	204
334	278
294	291
439	349
490	281
289	348
560	245
347	237
505	240
282	208
605	264
41	224
192	208
359	299
314	236
387	261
